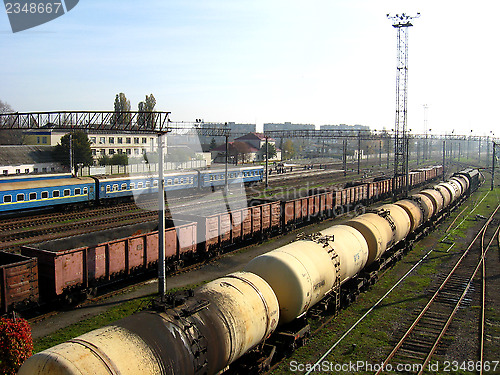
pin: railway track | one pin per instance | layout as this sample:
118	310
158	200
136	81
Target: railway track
423	340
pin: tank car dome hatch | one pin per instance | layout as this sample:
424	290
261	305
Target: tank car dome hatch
350	246
300	273
401	220
436	198
445	194
377	232
425	204
414	212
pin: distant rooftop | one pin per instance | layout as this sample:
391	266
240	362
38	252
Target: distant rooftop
15	155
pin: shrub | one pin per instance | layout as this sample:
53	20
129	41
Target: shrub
16	344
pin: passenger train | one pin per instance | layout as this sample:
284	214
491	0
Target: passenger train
238	314
21	193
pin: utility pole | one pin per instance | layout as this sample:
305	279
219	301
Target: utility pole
344	156
359	149
401	24
71	154
162	280
267	157
493	167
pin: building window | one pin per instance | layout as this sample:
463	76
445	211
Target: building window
35	170
143	151
44	140
136	151
103	152
38	140
27	171
136	140
45	194
93	140
55	194
32	196
129	151
120	151
5	172
120	140
18	171
102	140
111	151
94	152
67	192
111	140
7	198
44	169
144	140
20	197
128	140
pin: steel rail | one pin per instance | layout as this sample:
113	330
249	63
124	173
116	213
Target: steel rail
433	298
459	302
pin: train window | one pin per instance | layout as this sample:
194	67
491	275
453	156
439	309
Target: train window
148	184
132	186
45	194
85	190
211	178
176	181
20	197
169	182
55	194
66	192
181	181
7	198
78	191
155	183
140	185
32	196
108	188
115	187
124	186
191	179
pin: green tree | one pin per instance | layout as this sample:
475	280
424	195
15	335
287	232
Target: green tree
213	144
145	116
104	160
288	149
82	153
119	159
11	136
122	110
271	150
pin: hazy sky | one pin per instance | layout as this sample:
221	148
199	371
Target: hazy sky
258	61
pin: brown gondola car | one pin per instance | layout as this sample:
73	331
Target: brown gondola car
18	281
219	230
82	263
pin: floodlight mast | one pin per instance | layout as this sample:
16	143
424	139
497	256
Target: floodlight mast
401	23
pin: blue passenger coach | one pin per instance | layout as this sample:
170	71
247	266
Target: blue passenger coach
23	195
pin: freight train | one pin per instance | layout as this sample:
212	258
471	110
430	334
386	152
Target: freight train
71	269
22	193
239	314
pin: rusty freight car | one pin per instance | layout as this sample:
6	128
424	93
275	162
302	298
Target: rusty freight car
18	281
79	265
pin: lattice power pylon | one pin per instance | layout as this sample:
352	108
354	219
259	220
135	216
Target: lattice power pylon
401	23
